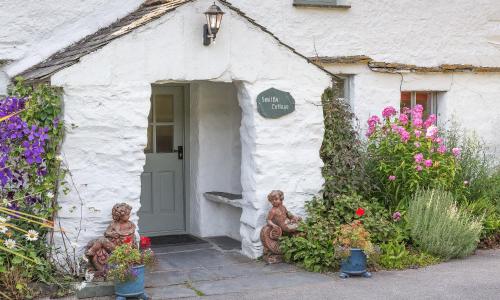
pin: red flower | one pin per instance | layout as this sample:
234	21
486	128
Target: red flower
360	212
145	242
127	240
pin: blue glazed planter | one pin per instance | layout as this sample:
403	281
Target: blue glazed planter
354	265
132	288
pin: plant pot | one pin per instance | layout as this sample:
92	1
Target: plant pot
354	265
132	288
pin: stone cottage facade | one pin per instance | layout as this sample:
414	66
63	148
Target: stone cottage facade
160	119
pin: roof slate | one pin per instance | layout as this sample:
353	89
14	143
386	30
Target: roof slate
149	11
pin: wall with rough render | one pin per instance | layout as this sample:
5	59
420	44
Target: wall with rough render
215	157
108	101
473	99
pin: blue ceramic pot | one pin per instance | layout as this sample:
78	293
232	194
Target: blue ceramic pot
355	264
131	288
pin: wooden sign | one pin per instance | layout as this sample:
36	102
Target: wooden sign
273	103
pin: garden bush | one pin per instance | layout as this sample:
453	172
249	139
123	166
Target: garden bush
395	255
314	249
439	227
406	153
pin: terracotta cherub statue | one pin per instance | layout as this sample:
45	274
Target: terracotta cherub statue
279	221
121	228
98	252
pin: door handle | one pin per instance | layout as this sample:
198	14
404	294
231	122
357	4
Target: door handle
180	152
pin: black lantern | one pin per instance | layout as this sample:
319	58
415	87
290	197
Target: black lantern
214	18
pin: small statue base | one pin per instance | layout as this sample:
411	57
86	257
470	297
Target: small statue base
365	275
142	296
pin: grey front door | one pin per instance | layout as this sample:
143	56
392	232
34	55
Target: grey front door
162	182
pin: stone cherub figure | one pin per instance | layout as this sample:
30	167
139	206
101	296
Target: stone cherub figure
98	252
121	228
279	221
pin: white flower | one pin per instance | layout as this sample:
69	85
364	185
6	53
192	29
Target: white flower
32	235
3	220
9	243
3	229
50	195
59	158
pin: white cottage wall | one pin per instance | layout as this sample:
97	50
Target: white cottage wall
405	31
217	152
472	99
276	154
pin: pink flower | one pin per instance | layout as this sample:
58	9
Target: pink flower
417	122
418	133
373	121
456	151
417	144
439	140
418	108
430	120
442	149
403	119
388	112
419	168
428	163
370	131
396	216
419	157
392	178
405	136
431	132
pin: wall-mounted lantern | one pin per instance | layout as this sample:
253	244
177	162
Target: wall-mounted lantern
214	18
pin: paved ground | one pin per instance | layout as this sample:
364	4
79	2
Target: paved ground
206	271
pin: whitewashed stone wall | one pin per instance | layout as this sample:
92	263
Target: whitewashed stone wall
107	94
472	99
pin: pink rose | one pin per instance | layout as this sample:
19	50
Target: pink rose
419	157
456	151
392	178
388	112
428	163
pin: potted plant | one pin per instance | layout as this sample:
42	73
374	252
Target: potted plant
127	265
353	246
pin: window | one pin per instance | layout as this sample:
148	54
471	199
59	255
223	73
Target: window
323	3
344	87
427	99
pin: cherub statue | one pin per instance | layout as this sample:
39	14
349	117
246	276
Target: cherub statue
121	228
279	221
98	252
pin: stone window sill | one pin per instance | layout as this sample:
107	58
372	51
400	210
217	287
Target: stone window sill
320	3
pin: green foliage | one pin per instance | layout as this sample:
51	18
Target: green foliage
394	255
126	256
314	250
341	150
439	227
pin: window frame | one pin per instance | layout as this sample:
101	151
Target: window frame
413	100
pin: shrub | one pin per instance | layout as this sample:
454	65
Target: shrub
341	151
406	153
314	249
439	227
394	255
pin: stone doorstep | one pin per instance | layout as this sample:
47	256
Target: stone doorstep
95	289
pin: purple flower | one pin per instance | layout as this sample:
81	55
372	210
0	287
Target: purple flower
396	216
419	157
392	178
428	163
388	112
456	151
